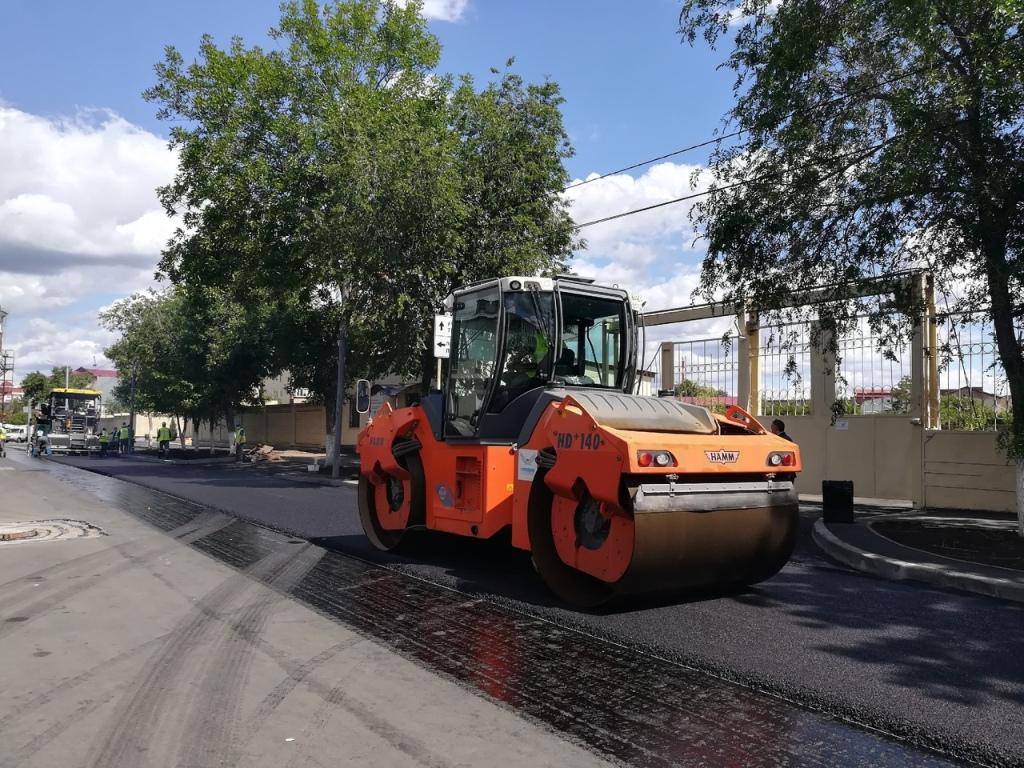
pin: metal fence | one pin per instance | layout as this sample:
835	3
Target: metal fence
973	391
784	369
872	378
705	371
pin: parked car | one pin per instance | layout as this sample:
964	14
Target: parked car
16	434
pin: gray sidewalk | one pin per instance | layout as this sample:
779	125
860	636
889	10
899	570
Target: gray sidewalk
124	646
860	546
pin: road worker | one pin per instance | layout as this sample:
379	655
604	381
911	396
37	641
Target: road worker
163	437
122	437
104	441
3	441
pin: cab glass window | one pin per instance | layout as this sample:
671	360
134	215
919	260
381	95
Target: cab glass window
529	345
473	354
592	342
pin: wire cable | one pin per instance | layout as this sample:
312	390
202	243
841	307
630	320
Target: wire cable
867	151
719	139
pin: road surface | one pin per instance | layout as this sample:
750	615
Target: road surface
928	667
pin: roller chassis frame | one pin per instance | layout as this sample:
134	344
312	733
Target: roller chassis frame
666	529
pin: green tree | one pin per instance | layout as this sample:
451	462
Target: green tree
689	388
880	135
342	163
63	376
966	413
36	385
16	411
899	401
195	352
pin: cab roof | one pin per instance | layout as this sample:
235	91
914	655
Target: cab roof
75	392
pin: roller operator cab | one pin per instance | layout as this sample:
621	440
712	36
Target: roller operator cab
536	431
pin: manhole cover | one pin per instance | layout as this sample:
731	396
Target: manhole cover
46	530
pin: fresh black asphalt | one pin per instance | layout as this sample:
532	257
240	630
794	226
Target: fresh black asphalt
935	667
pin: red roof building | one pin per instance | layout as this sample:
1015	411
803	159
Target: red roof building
97	373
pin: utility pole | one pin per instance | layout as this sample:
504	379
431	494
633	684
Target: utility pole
131	412
340	396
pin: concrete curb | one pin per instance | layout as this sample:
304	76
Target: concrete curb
949	574
185	462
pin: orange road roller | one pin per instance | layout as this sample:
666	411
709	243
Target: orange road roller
536	431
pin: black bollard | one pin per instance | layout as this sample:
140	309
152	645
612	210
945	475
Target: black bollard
837	501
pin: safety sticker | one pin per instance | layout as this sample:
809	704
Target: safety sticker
526	464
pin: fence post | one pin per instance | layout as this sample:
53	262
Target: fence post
668	365
823	374
752	333
934	410
747	373
917	370
295	425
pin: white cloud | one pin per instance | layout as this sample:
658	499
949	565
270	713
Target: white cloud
44	344
79	221
654	253
651	253
79	187
738	15
442	10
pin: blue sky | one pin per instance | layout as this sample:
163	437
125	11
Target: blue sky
81	150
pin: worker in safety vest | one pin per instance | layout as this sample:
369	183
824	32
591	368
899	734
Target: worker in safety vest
122	437
104	441
163	437
239	441
3	441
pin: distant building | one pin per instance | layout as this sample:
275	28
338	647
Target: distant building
103	379
873	399
998	403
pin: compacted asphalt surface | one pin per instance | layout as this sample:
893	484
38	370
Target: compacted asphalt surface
930	668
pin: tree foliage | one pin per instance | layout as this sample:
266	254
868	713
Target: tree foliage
880	135
967	413
689	388
37	385
15	413
339	163
194	352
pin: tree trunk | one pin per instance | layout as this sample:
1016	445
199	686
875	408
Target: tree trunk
1020	497
997	272
180	431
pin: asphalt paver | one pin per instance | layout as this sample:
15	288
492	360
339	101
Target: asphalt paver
931	667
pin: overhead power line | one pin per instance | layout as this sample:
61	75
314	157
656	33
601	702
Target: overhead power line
723	137
866	151
667	155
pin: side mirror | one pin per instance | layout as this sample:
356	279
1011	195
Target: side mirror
362	396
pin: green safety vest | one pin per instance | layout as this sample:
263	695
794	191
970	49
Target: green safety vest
104	437
540	347
163	434
240	436
123	432
3	433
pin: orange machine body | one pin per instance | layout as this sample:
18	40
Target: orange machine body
477	490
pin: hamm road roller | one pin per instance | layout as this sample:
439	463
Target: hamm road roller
536	432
